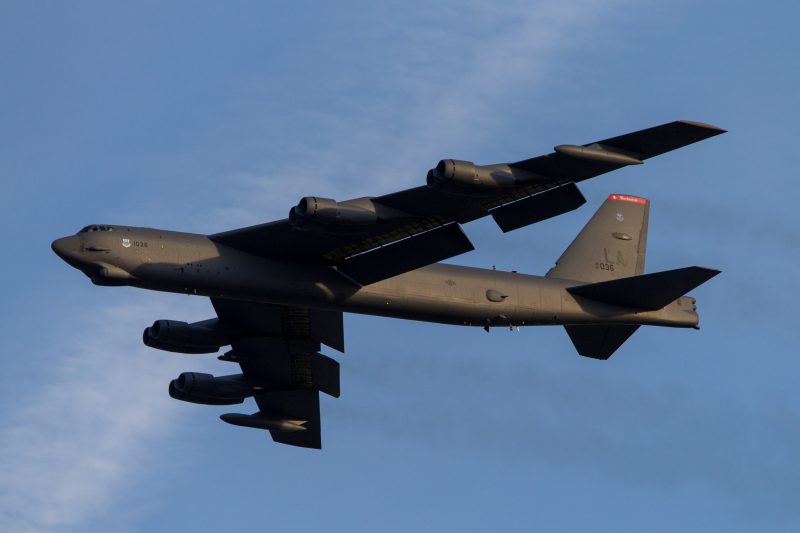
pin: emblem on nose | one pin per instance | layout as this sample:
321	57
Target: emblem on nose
126	243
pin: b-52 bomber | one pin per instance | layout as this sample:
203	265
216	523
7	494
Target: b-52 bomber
279	289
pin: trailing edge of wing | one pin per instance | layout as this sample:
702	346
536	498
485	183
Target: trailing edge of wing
406	255
538	207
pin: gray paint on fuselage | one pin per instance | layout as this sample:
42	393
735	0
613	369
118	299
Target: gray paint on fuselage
449	294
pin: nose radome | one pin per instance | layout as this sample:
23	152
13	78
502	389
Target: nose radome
66	247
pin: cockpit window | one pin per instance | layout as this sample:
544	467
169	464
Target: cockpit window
95	227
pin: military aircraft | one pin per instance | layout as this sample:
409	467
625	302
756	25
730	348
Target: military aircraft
279	289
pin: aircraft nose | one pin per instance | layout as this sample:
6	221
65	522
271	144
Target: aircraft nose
67	248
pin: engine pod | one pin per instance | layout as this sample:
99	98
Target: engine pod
330	212
207	336
454	175
196	387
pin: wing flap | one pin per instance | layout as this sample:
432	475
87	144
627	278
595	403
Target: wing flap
409	254
539	207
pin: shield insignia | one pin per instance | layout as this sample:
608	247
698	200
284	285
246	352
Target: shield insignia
126	243
620	218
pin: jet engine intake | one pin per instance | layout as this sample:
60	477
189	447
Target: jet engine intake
173	336
330	212
454	175
206	389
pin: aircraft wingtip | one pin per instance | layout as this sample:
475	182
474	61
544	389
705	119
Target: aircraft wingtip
703	125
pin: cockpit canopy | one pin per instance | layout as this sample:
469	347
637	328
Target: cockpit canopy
96	227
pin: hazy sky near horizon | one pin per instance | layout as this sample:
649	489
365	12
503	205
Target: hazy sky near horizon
205	117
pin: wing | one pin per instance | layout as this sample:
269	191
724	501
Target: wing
370	239
277	349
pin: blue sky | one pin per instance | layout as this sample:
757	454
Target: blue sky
203	117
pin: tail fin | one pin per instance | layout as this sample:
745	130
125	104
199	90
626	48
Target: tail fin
608	256
611	246
599	342
646	292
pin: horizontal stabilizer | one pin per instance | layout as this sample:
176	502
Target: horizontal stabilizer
599	342
648	291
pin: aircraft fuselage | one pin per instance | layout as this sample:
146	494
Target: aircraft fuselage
194	264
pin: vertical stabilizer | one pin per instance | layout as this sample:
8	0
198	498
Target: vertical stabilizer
611	246
599	342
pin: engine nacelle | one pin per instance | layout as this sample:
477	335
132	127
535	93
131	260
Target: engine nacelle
195	387
330	212
173	336
454	175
